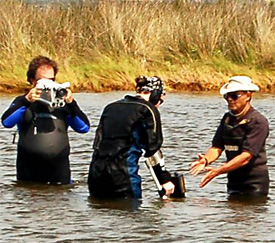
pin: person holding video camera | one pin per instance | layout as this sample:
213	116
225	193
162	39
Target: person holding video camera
43	147
242	134
127	128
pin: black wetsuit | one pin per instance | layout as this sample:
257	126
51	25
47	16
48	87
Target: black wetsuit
126	127
248	134
43	147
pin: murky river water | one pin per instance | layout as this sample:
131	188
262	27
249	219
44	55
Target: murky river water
43	213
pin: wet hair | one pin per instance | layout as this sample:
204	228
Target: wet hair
36	63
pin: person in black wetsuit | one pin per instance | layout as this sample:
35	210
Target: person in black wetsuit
127	128
43	147
242	134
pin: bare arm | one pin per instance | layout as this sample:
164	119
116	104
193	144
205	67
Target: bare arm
233	164
199	165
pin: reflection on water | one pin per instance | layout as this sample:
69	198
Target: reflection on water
66	213
127	204
247	200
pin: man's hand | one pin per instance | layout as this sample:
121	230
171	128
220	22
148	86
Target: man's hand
169	188
69	96
33	95
198	166
237	162
211	174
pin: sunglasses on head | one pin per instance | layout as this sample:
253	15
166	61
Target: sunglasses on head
233	96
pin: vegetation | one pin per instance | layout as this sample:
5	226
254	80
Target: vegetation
103	46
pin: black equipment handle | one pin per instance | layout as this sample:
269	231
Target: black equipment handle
176	179
161	190
162	193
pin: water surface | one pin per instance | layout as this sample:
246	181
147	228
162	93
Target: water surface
44	213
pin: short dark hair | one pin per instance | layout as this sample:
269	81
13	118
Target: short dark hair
38	62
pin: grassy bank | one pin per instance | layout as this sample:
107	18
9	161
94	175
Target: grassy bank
104	46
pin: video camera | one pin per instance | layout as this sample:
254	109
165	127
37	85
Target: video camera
53	93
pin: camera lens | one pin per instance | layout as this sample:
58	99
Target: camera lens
61	104
60	93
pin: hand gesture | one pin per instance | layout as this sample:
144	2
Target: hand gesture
211	174
198	166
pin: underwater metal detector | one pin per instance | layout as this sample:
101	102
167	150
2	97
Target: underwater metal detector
161	190
176	179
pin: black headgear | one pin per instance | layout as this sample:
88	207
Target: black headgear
154	85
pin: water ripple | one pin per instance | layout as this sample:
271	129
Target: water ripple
43	213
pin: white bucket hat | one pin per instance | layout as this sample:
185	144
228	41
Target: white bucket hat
238	83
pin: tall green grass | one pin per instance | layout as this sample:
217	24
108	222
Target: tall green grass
105	45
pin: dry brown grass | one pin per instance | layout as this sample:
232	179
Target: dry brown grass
104	46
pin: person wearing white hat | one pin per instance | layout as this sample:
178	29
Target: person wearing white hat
242	134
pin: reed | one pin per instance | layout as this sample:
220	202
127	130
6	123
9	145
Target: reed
103	46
